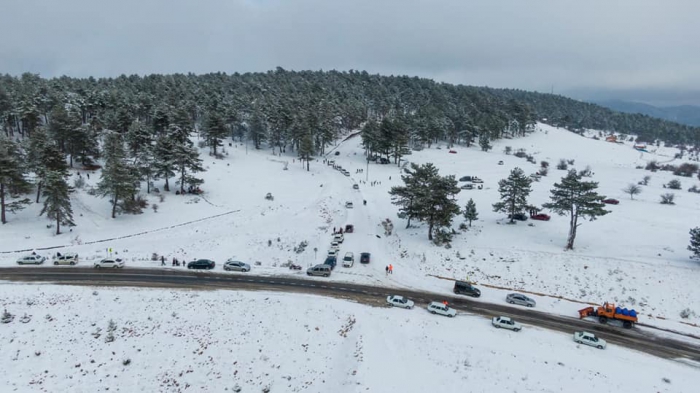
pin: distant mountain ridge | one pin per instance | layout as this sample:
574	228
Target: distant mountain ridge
684	114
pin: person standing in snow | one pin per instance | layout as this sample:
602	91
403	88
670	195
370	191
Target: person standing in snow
386	270
162	260
391	269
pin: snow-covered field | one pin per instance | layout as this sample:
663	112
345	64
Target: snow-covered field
222	341
635	256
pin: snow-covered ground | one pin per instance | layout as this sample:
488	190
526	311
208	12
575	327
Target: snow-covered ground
635	256
222	341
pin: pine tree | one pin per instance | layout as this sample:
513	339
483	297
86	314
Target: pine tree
484	141
57	204
214	130
576	198
117	180
257	132
514	192
12	178
184	158
306	149
417	180
470	213
163	163
695	242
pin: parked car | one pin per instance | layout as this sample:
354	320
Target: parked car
346	173
442	309
467	186
348	205
506	323
355	186
337	153
319	270
589	339
331	162
69	258
333	252
476	180
500	162
540	217
519	298
331	261
335	245
465	288
201	264
465	178
338	237
349	228
384	160
399	301
453	151
364	257
31	259
110	263
349	259
236	266
518	216
611	201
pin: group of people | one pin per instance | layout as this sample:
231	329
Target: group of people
389	269
175	262
339	231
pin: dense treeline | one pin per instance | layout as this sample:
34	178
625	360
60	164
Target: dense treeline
140	127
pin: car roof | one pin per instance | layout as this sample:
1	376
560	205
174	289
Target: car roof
505	319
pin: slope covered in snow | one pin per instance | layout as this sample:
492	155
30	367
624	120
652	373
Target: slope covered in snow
635	256
182	341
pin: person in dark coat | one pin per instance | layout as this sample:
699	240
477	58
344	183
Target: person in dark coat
162	260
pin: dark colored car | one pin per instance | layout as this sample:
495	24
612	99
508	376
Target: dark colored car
331	261
541	217
364	257
611	201
519	216
337	153
201	264
465	288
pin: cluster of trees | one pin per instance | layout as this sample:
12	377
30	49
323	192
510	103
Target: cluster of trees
428	197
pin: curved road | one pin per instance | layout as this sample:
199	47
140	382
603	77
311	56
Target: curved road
372	295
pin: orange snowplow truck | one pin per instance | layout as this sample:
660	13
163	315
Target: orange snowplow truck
609	311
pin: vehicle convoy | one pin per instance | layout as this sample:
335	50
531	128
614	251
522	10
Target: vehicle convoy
589	339
608	311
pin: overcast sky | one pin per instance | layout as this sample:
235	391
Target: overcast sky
643	48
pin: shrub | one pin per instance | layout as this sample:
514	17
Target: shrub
155	208
694	189
686	169
562	165
79	182
667	199
645	180
570	162
633	190
544	164
508	150
668	167
520	153
531	159
543	171
674	184
135	205
652	166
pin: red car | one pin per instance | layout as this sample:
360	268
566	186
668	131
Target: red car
611	201
541	217
453	151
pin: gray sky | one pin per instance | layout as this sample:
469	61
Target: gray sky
645	48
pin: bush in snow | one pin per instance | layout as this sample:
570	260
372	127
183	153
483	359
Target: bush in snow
633	190
79	183
570	162
695	242
508	150
562	166
544	164
674	184
7	317
694	189
652	166
667	199
687	313
543	171
645	180
126	362
686	169
520	153
155	208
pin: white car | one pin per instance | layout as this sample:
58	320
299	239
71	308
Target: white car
348	205
442	309
335	245
31	259
110	263
338	238
69	258
589	339
333	252
349	260
399	301
506	323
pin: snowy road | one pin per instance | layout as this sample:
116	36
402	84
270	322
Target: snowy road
372	295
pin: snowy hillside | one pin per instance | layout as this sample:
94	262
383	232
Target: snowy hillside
635	256
182	341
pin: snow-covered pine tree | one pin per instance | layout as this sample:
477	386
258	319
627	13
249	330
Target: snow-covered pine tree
306	149
695	242
57	204
214	130
257	131
470	213
12	178
117	180
576	198
514	192
439	207
184	157
484	141
163	160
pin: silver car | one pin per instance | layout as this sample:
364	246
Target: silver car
32	259
237	266
519	298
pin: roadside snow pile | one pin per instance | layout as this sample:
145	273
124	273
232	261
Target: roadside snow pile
128	340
